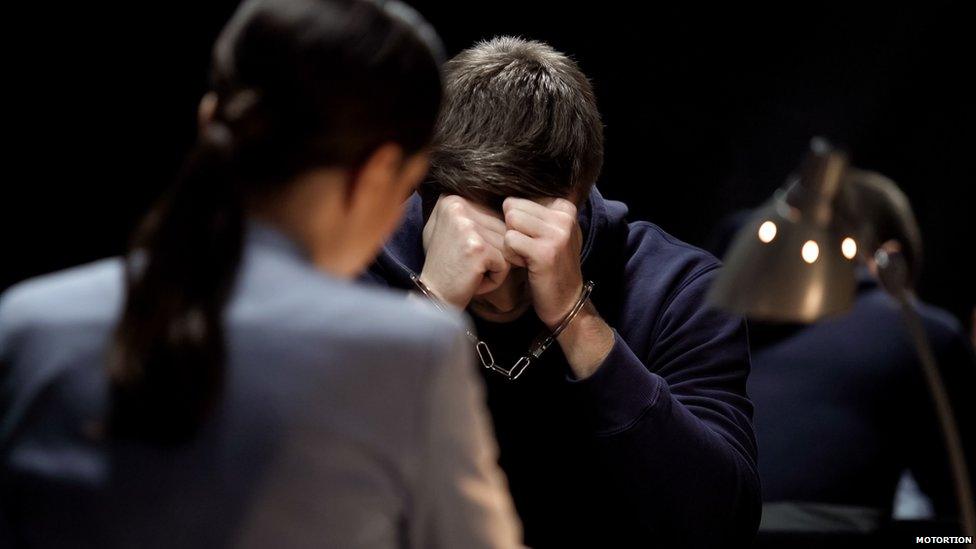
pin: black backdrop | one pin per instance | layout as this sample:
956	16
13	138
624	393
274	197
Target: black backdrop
706	111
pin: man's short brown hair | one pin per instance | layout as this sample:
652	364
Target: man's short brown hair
519	119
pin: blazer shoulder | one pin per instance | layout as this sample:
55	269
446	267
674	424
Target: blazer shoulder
394	309
90	291
405	321
315	311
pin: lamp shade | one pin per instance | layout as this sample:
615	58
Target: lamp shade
792	261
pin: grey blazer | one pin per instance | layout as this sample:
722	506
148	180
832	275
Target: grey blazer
352	417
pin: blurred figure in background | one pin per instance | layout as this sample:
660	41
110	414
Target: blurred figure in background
225	384
842	407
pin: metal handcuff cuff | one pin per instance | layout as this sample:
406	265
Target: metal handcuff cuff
542	342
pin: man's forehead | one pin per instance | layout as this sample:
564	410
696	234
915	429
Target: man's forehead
497	212
487	210
492	206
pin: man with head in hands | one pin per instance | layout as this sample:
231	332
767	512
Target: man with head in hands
618	396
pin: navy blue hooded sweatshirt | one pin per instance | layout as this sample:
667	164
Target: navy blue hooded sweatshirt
657	447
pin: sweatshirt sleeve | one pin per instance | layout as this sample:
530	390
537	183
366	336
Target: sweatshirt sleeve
463	498
674	427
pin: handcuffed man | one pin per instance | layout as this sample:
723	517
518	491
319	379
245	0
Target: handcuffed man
627	421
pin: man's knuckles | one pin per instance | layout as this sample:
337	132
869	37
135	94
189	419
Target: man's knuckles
561	235
463	223
450	203
564	206
473	245
564	219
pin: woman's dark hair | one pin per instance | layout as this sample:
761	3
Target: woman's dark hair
299	84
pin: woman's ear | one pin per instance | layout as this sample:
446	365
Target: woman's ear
375	178
206	109
388	171
413	172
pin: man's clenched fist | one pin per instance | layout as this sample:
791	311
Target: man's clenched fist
463	244
470	251
546	240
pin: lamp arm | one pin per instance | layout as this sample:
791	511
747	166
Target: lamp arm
891	268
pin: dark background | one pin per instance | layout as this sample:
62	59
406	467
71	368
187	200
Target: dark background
706	111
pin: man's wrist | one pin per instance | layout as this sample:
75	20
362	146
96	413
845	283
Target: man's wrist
423	283
586	342
437	294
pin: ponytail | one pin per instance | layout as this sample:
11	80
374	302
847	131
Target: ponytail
167	367
299	84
